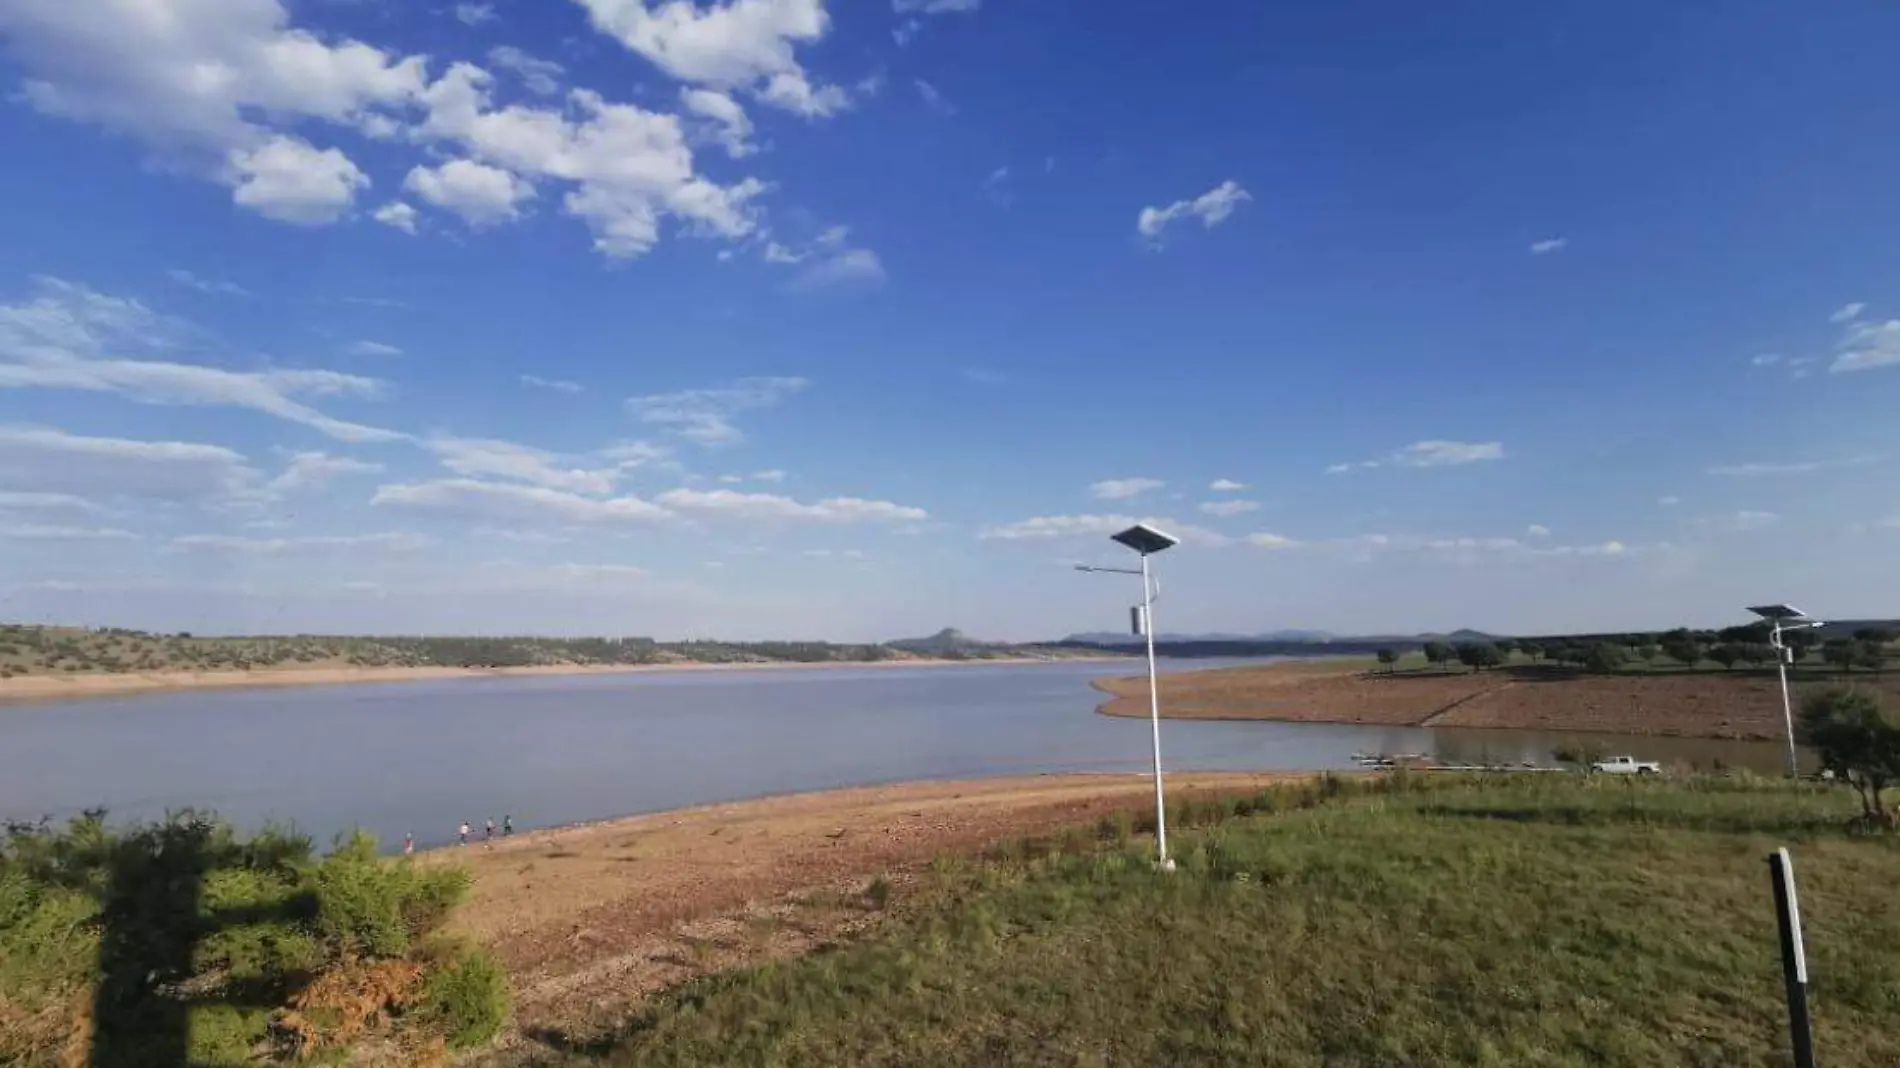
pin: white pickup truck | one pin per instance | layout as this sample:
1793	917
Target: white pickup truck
1623	765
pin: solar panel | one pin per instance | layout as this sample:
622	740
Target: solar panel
1778	611
1146	540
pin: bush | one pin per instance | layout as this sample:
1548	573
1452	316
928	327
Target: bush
466	998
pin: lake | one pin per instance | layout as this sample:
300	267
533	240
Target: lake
421	757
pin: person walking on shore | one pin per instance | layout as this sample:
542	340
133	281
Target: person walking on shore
409	845
507	826
488	835
463	832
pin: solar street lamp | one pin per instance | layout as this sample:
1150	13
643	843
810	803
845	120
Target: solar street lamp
1782	617
1147	541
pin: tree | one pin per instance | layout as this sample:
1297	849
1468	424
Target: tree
1437	652
1874	635
1506	646
1839	652
1725	655
1479	655
1758	653
1856	742
1534	650
1870	656
1649	651
1684	651
1801	642
1604	658
1388	657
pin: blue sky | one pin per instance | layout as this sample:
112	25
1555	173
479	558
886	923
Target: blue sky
777	318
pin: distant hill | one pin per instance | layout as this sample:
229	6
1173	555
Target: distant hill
1104	637
1319	641
946	642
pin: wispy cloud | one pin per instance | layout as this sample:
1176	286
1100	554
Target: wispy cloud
1847	312
1429	454
473	14
1226	485
387	541
1119	489
206	285
559	385
706	416
72	338
1867	346
1229	508
933	97
1804	467
1549	245
1057	527
373	348
770	506
1212	208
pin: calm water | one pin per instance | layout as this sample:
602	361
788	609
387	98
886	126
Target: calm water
423	756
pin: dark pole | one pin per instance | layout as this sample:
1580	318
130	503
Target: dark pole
1794	961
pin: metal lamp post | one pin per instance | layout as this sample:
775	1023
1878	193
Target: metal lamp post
1782	618
1147	541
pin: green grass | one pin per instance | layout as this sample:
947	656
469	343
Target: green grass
1543	921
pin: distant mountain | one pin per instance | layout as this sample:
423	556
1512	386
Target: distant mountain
946	641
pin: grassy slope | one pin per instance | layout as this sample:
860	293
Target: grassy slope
1541	922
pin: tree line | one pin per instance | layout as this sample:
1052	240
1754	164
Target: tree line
1603	654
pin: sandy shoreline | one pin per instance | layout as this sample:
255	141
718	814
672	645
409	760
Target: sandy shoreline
590	917
32	689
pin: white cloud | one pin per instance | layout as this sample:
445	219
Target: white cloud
472	14
1264	540
906	31
315	470
630	167
768	476
1118	489
739	44
61	340
1537	530
935	7
849	267
1804	467
538	76
730	128
397	215
1056	527
55	503
705	416
388	541
1847	312
1429	454
1669	502
510	503
373	348
933	97
1549	245
1226	485
206	285
1212	208
1867	346
480	194
49	532
559	385
1740	522
198	81
290	180
485	458
1766	359
43	459
771	506
1229	508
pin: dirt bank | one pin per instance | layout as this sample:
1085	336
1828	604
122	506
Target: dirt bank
77	686
1703	703
587	919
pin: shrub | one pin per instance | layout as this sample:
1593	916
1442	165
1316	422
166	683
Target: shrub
466	998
